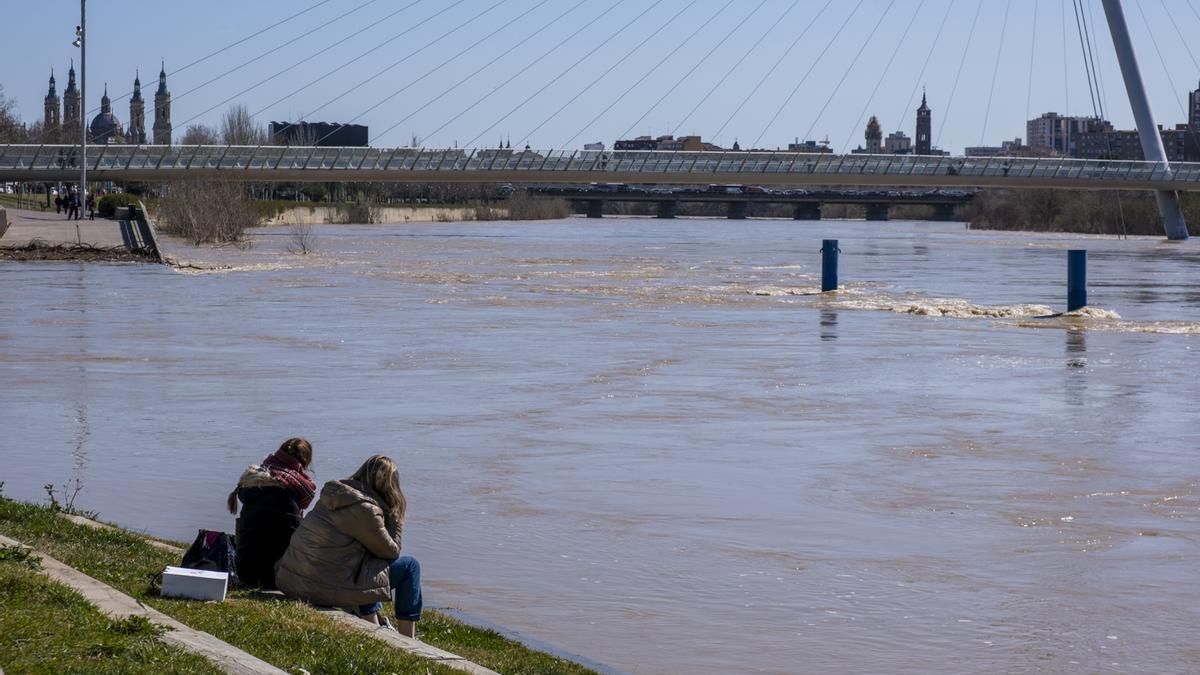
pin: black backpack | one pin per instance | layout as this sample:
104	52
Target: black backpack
212	551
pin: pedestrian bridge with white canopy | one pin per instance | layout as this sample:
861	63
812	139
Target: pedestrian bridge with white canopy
150	163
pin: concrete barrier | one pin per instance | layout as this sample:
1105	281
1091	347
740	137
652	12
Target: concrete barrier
3	229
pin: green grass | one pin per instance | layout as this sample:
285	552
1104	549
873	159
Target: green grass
288	634
45	627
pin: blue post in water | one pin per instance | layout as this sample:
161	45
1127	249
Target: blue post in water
829	265
1076	280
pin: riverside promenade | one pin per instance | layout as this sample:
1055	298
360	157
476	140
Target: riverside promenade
53	229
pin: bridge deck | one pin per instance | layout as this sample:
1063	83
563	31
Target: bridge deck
272	163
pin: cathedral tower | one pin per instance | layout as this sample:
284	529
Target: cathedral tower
874	136
137	115
71	111
162	110
924	141
52	118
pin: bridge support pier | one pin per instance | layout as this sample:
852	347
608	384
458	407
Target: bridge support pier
739	210
1152	145
595	208
878	212
807	211
667	210
944	212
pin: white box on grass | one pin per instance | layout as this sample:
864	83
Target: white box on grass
181	582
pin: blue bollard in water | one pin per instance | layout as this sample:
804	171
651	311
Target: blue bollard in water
829	265
1076	280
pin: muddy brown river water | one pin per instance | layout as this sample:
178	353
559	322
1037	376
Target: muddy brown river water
653	444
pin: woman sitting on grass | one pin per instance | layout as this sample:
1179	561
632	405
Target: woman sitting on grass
347	551
274	495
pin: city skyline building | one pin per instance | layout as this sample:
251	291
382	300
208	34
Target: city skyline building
136	135
924	136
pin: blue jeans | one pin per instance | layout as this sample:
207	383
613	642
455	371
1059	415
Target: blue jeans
405	576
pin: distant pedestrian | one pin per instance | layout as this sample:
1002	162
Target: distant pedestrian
91	206
58	203
73	206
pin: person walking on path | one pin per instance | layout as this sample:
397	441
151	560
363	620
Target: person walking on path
91	206
73	206
274	495
58	203
346	553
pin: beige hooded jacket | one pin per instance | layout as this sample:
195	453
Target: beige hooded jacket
340	554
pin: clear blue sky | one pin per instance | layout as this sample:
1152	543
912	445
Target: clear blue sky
131	34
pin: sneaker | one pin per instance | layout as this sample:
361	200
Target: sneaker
384	623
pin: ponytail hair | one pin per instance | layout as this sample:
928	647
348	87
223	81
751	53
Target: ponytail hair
231	502
298	449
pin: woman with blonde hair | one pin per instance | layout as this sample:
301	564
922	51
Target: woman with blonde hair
346	553
274	495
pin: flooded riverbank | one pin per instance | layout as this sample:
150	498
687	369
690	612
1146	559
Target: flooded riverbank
653	443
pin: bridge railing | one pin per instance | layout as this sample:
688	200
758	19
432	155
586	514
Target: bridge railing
265	159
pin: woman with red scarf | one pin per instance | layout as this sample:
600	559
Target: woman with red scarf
274	495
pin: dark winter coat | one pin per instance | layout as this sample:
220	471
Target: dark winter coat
270	514
341	553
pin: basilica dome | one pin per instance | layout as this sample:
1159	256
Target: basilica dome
105	127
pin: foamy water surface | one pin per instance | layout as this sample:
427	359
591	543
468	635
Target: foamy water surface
656	444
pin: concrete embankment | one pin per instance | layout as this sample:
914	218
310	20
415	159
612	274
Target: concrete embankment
320	215
41	235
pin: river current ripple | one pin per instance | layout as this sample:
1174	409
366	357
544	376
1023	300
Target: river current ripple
654	444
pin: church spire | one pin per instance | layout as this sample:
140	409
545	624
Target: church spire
137	86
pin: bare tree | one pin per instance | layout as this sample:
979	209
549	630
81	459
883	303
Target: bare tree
303	239
239	128
298	134
199	134
11	130
208	212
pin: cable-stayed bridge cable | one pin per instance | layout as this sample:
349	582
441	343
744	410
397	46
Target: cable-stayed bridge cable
729	72
628	54
920	81
444	63
694	68
884	73
275	49
231	45
987	111
558	77
1087	68
482	68
546	54
812	66
853	63
299	63
413	53
648	73
771	71
1032	55
354	60
961	62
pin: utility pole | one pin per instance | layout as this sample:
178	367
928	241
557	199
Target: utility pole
1152	145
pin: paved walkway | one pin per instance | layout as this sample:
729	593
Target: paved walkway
54	228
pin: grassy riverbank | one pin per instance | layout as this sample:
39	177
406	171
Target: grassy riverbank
47	627
287	634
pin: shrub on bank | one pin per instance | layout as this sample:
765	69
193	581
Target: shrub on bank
1095	212
208	212
109	204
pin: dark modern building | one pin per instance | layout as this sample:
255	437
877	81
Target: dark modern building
324	134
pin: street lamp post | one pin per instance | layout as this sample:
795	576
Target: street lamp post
83	104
